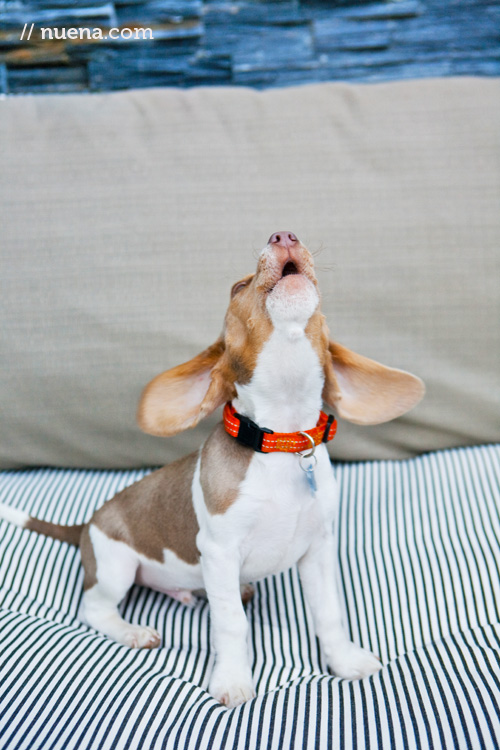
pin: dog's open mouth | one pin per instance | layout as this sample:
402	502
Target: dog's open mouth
289	268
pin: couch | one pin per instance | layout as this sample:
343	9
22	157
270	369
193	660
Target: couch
124	220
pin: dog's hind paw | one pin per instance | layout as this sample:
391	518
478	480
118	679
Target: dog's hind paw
136	636
353	662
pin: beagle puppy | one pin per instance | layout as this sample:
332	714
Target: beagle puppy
260	495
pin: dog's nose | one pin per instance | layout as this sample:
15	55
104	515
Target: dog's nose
285	239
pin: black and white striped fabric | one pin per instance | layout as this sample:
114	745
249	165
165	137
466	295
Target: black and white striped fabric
419	570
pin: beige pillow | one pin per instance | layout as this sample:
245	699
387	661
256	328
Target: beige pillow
125	218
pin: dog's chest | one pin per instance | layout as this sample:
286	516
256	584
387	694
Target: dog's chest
277	514
277	540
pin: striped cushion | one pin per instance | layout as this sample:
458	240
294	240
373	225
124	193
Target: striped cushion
419	571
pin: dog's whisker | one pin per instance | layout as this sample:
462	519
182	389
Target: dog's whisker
318	251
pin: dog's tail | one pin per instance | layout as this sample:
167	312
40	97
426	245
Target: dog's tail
70	534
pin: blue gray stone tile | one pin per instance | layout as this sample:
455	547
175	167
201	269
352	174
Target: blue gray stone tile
245	42
3	79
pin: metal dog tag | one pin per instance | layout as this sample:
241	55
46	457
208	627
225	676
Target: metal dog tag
311	479
309	469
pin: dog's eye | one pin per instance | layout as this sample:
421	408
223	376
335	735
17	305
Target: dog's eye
238	287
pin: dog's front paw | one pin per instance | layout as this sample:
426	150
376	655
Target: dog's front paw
353	662
231	688
136	636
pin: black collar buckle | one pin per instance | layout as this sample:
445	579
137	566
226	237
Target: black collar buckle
329	422
250	434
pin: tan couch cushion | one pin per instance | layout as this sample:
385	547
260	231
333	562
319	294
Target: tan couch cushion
126	217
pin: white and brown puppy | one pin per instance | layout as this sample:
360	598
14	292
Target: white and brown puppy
230	513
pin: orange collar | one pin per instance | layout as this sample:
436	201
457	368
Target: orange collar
248	433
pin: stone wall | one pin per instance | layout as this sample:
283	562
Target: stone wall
260	44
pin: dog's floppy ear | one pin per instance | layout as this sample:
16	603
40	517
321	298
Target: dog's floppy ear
364	391
179	398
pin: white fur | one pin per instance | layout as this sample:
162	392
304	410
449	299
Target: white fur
268	398
118	567
291	304
13	515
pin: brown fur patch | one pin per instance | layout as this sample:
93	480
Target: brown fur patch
69	534
155	513
319	336
247	328
224	464
372	393
171	402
